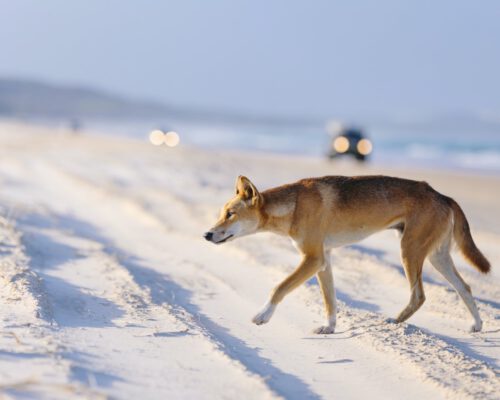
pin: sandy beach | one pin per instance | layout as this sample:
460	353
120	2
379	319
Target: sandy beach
109	290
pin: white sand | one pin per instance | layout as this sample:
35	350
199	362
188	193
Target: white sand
109	290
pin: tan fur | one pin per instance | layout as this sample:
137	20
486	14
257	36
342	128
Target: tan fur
319	214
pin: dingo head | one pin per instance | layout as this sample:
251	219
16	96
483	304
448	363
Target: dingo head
240	216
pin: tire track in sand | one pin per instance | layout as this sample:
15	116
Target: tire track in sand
167	293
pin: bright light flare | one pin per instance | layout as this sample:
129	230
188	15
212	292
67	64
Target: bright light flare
156	137
171	139
365	147
341	144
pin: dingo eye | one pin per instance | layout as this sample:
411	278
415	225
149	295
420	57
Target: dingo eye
229	214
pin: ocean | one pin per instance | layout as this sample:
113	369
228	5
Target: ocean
431	149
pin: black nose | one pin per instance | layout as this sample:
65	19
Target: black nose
208	235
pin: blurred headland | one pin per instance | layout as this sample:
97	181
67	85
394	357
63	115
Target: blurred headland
24	98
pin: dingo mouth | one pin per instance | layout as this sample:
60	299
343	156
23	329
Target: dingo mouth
223	240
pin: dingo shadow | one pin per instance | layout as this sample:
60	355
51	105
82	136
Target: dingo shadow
172	334
341	361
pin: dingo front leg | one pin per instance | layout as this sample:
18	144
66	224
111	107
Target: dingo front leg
307	268
325	279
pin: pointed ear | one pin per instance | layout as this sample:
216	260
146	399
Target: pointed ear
247	190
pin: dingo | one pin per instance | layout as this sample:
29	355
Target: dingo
319	214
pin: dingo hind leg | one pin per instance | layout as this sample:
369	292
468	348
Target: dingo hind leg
412	257
413	270
442	261
423	233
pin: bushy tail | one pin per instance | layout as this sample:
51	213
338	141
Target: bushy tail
463	237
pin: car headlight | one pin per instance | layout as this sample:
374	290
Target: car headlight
364	147
341	144
172	139
156	137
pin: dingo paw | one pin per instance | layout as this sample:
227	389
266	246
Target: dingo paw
476	327
265	315
325	330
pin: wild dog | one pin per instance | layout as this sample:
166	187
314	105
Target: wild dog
319	214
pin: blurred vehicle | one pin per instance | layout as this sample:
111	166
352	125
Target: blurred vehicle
350	142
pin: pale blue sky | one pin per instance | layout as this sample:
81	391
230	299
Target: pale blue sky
301	58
